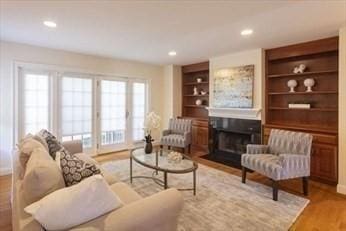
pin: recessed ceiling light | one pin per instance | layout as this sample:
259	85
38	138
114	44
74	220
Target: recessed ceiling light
50	24
172	53
246	32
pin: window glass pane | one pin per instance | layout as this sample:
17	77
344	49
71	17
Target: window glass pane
113	112
138	110
35	102
76	109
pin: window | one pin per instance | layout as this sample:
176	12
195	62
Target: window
35	103
105	113
76	109
138	110
113	112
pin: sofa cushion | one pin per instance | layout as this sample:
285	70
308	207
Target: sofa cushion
42	176
74	170
68	207
53	144
126	194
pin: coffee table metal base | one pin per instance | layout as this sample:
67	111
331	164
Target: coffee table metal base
163	183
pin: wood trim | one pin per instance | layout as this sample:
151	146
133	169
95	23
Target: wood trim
307	48
204	66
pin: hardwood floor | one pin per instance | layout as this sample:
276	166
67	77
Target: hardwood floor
326	210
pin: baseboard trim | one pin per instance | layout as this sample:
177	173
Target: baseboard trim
5	171
341	189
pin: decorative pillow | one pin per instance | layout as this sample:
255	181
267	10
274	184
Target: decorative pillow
26	146
40	139
109	177
53	144
42	176
74	170
68	207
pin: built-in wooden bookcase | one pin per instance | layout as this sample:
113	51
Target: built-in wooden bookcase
190	75
321	60
198	113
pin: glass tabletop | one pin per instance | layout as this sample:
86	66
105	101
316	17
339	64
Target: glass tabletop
159	160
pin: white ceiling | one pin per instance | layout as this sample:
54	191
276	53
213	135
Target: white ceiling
147	30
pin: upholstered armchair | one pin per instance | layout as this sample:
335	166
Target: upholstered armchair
286	156
178	134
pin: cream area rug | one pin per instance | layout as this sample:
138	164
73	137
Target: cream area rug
222	202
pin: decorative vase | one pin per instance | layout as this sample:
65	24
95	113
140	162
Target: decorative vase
148	148
292	84
195	91
198	102
148	144
309	83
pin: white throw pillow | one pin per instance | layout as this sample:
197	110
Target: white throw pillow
71	206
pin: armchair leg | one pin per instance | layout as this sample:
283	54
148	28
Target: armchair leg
306	185
275	190
243	175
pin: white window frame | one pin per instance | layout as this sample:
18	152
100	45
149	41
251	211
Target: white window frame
55	74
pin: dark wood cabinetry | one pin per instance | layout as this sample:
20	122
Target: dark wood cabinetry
321	120
196	76
200	136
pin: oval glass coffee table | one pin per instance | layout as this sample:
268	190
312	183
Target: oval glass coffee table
159	162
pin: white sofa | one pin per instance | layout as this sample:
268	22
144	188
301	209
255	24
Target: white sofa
158	212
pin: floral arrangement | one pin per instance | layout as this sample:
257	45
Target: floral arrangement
174	157
152	122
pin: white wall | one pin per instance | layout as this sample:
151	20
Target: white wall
10	52
171	93
239	59
342	111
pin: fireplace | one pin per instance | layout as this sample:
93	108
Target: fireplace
229	138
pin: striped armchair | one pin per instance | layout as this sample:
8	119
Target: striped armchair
286	156
178	134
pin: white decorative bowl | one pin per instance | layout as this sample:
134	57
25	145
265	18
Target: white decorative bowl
309	83
292	84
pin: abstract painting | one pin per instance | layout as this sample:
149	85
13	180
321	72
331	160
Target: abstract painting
233	87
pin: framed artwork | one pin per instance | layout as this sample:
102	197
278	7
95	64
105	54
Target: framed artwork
233	87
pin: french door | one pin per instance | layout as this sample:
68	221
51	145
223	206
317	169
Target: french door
106	113
121	112
112	115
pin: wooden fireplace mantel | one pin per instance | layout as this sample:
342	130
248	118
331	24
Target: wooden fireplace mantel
237	113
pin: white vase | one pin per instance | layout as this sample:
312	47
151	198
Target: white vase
292	84
198	102
309	83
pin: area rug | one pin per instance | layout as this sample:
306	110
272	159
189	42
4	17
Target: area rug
222	201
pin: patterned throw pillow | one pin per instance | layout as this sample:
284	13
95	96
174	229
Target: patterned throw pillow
75	170
53	144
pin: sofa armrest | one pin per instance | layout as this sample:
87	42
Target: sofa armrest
187	138
257	149
166	132
158	212
74	146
